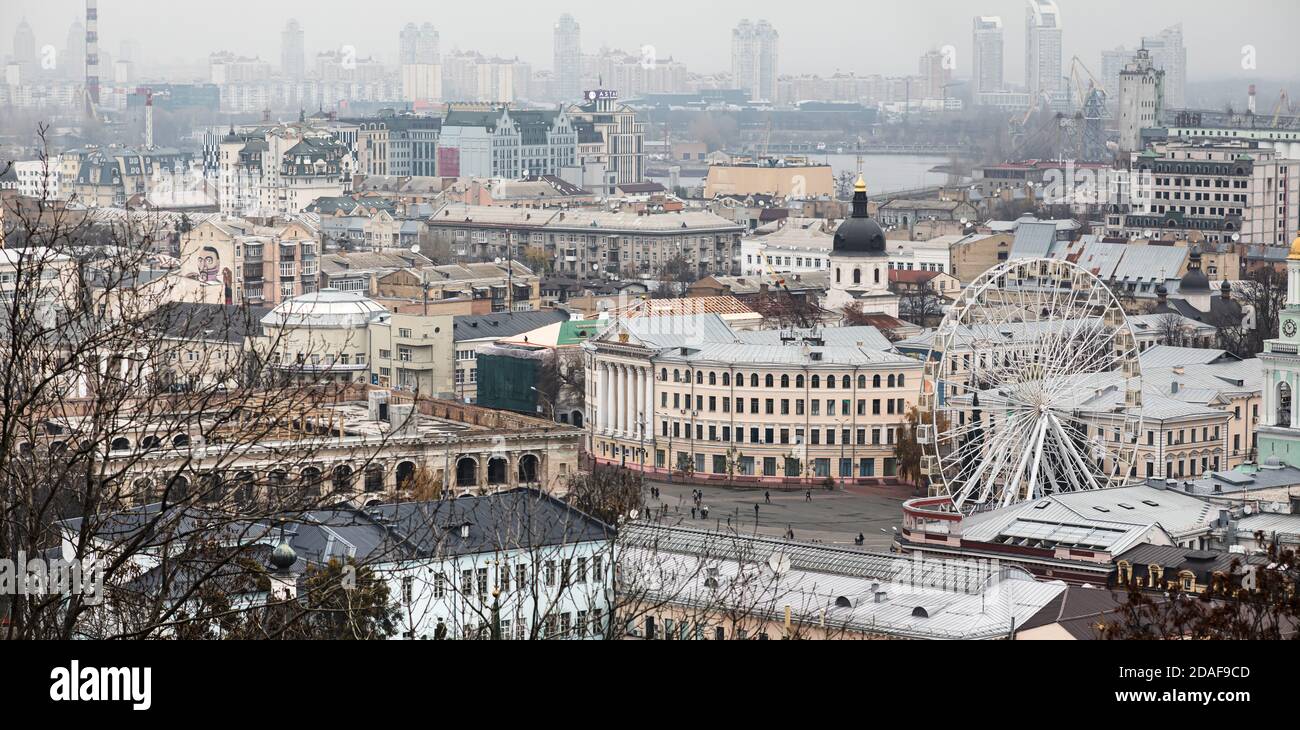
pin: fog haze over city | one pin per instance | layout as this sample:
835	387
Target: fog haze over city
823	36
637	321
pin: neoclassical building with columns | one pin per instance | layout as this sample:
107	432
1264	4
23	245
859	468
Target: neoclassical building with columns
355	445
692	396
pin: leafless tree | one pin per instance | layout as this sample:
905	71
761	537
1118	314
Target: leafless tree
104	459
675	275
562	381
784	309
1171	330
1262	293
1248	601
921	306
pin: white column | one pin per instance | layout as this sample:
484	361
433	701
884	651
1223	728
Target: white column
624	398
609	398
650	402
638	395
602	376
612	426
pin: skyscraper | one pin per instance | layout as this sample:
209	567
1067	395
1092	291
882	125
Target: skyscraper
1112	63
754	57
428	48
408	42
24	44
418	45
934	75
73	63
568	59
987	62
1043	48
293	53
1169	55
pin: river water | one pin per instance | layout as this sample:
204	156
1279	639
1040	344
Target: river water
884	173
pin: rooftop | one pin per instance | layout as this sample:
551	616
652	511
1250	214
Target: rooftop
836	588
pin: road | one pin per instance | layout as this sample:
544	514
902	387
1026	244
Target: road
832	517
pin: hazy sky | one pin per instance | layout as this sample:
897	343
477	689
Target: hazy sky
817	36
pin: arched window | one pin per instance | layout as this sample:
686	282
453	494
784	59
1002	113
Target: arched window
891	381
837	274
713	378
862	382
785	381
875	381
677	375
726	378
816	381
877	275
846	382
1284	405
753	380
770	381
699	377
798	381
857	276
902	381
830	381
663	374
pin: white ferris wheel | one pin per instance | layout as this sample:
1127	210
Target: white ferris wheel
1033	387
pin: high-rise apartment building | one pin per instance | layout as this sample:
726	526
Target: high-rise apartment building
1169	55
1112	63
418	45
986	65
293	52
935	75
754	56
24	44
568	59
1043	70
73	62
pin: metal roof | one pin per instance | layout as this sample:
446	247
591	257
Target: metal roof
836	588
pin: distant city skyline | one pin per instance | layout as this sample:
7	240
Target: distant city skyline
883	37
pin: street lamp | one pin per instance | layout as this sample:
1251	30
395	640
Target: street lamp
542	395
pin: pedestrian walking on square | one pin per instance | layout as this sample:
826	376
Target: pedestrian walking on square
807	495
767	496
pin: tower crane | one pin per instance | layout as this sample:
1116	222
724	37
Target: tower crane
1283	100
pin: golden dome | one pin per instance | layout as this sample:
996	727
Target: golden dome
1295	250
861	187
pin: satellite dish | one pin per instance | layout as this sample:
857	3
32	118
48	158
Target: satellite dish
415	248
779	563
1146	234
633	514
963	221
1236	237
1248	510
